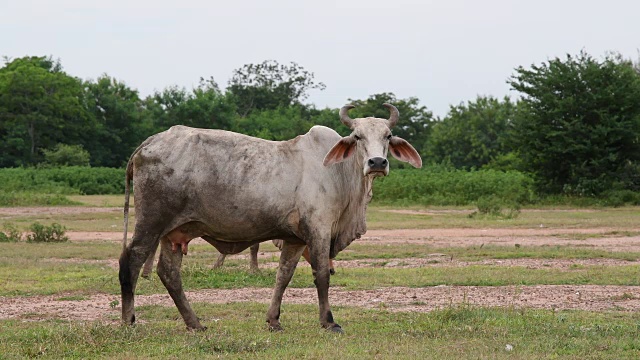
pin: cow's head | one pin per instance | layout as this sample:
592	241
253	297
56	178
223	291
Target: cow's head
370	140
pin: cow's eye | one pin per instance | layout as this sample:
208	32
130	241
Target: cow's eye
357	137
389	137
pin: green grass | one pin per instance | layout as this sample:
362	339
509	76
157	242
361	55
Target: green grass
618	218
238	331
25	277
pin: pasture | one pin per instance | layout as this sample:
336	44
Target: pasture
422	283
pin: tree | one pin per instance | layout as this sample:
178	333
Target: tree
118	114
66	155
270	85
472	135
204	107
579	124
40	106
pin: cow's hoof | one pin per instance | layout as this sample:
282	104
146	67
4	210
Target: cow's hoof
336	329
332	271
199	328
275	328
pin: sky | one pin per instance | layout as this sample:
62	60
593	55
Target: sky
442	52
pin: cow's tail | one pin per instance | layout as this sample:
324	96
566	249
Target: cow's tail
127	195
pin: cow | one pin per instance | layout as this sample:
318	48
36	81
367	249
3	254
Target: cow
253	262
235	191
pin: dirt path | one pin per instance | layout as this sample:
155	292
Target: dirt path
554	297
601	238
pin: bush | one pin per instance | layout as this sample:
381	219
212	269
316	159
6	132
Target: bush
10	234
42	233
493	207
66	155
65	180
442	185
33	199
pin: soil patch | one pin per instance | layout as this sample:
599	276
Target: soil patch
552	297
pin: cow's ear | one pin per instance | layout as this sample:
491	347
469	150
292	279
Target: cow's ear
341	151
403	151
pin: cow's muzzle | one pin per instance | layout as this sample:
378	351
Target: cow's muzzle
377	166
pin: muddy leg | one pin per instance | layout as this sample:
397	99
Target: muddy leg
148	265
306	256
288	262
320	269
169	272
253	265
131	261
220	261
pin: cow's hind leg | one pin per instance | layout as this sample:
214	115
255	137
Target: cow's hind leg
131	261
169	273
148	265
288	261
220	261
253	264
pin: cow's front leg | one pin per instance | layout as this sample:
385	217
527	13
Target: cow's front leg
321	274
288	261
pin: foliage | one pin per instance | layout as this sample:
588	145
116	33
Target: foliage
204	107
10	233
47	233
442	185
66	155
118	113
492	206
27	198
471	135
270	85
64	180
40	106
577	129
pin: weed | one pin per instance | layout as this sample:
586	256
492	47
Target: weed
10	234
42	233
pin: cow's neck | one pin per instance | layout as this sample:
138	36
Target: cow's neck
353	223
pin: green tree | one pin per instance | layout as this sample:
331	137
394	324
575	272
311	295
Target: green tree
40	106
270	85
204	107
66	155
472	134
117	110
579	124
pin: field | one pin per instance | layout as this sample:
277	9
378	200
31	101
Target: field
424	282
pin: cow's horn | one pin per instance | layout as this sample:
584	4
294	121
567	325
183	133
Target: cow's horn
395	115
344	117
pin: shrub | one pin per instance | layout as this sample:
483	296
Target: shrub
65	180
493	207
10	234
42	233
33	199
442	185
66	155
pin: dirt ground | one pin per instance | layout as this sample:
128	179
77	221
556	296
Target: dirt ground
552	297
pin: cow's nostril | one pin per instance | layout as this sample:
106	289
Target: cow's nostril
371	162
384	162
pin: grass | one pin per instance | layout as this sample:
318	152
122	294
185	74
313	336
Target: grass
26	277
76	270
237	331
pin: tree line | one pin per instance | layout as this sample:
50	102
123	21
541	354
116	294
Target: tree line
574	126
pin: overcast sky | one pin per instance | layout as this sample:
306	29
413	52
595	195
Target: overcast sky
443	52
